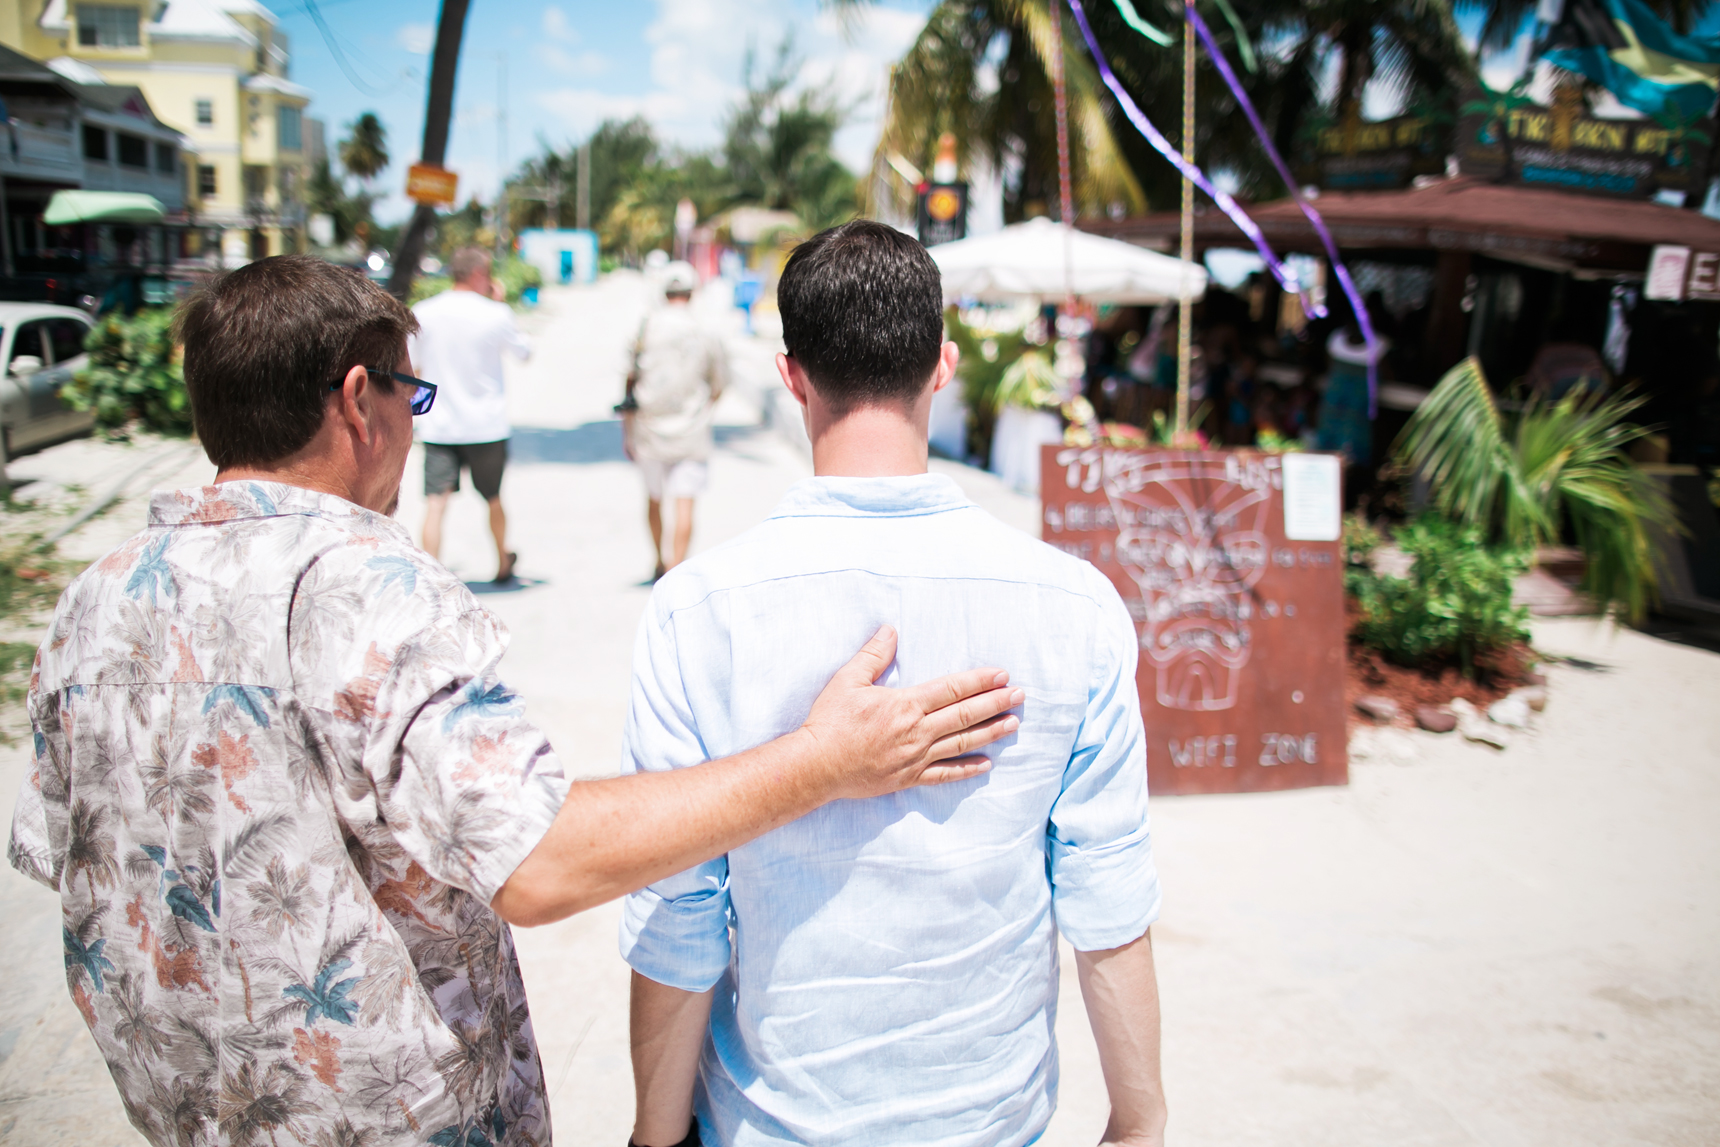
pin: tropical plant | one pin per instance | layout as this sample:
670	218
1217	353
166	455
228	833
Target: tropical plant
1523	480
364	151
778	150
981	70
986	354
133	373
543	192
326	194
1454	605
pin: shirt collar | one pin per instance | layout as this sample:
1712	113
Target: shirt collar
239	501
906	496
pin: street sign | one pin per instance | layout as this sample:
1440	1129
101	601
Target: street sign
1230	565
943	213
435	186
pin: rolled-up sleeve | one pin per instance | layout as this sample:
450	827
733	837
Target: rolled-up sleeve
1105	888
675	931
39	819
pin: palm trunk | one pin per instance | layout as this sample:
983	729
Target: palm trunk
444	64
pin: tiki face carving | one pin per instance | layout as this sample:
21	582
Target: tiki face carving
1192	536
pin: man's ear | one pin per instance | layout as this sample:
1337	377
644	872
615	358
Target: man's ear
948	356
793	377
354	402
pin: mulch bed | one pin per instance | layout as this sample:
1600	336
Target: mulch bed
1495	676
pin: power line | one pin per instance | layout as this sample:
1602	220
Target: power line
310	8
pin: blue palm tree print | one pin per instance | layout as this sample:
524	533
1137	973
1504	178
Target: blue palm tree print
248	699
454	1135
324	998
396	569
90	958
153	574
180	899
261	497
478	701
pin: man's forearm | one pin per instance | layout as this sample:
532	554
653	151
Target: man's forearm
668	1030
614	836
1121	990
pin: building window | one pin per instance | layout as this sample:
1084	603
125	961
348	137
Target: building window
107	26
205	180
95	142
205	113
166	161
133	150
290	124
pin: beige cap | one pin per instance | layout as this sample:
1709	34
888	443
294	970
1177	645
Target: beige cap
679	278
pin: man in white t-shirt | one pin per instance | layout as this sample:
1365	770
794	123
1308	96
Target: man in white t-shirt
461	336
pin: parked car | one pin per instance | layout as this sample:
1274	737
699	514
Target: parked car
42	346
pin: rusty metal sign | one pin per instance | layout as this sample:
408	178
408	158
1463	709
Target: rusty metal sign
1230	563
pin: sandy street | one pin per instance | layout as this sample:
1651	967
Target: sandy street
1463	946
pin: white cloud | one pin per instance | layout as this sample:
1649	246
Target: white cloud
556	27
416	38
698	51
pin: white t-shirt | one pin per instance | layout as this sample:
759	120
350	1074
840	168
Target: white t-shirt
459	347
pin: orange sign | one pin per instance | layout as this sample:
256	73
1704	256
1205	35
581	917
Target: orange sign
943	203
433	185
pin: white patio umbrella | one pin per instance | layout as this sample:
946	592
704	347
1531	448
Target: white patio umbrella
1041	259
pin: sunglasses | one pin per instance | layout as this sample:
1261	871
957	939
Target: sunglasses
423	393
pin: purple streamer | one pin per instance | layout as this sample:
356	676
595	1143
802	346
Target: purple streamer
1342	272
1189	171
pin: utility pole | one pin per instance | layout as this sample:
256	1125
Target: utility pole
439	109
582	213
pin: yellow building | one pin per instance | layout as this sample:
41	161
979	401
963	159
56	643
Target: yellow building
217	70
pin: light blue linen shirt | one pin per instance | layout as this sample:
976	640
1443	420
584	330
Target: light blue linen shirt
893	971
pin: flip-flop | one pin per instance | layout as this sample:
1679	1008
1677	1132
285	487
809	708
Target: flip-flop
504	576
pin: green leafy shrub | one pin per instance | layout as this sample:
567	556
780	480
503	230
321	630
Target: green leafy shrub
1523	479
1454	605
133	375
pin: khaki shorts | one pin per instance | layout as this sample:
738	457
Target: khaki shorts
486	461
683	479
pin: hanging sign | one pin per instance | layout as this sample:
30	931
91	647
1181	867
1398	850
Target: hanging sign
1508	137
1230	564
435	186
1678	273
1387	155
943	213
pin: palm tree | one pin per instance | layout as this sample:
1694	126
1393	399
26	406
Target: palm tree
89	847
1523	480
946	83
364	151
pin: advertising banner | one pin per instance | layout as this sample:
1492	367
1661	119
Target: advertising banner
1231	565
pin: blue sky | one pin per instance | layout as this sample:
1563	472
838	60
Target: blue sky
568	65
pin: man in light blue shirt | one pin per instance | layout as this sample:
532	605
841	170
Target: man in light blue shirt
891	974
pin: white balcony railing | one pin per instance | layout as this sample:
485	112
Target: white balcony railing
29	150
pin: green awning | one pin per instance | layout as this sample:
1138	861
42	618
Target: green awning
68	207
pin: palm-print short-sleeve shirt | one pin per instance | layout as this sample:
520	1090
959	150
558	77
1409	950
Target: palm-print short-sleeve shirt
277	783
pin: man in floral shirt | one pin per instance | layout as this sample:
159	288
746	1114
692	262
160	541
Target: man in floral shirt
287	802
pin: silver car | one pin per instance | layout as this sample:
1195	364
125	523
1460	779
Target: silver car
42	346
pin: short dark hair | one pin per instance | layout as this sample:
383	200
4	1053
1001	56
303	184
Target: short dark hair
862	313
263	343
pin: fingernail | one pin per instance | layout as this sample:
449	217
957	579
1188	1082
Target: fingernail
1018	696
1000	680
1012	724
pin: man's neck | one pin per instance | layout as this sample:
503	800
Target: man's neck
869	442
